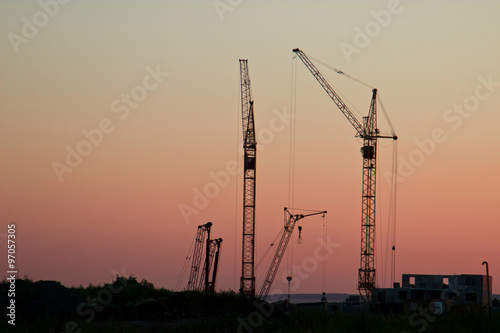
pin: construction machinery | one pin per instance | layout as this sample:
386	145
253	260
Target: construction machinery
211	284
197	255
213	261
290	221
201	281
247	280
368	131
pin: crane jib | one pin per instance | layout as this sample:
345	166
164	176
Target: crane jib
331	92
369	133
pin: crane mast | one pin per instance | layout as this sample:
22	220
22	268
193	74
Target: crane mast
247	280
369	133
366	273
290	221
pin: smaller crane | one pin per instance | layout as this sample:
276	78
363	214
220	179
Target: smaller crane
213	261
202	281
290	220
197	254
211	285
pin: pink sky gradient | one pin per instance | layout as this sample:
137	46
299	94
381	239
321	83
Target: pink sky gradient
118	210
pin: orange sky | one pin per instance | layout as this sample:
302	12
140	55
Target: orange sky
117	209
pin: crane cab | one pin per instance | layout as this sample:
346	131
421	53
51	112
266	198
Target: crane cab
250	163
368	152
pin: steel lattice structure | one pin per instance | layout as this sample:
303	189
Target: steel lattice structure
200	279
211	284
290	221
213	247
366	277
369	133
247	280
197	255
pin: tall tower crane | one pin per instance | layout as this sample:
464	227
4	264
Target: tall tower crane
247	280
369	132
290	221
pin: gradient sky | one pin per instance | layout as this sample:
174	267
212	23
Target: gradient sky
118	209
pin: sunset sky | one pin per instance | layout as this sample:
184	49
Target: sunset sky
115	115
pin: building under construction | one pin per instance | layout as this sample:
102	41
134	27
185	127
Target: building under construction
438	293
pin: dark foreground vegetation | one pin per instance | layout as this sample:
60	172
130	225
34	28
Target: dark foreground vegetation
127	305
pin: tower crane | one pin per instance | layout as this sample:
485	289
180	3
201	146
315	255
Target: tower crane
368	131
247	280
290	220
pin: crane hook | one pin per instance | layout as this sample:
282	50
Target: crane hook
300	235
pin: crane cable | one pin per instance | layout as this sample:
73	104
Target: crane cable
344	98
268	249
386	115
325	232
338	71
387	240
378	260
394	193
393	196
291	156
236	196
186	264
391	226
353	107
391	229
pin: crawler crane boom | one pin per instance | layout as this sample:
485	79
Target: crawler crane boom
197	254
